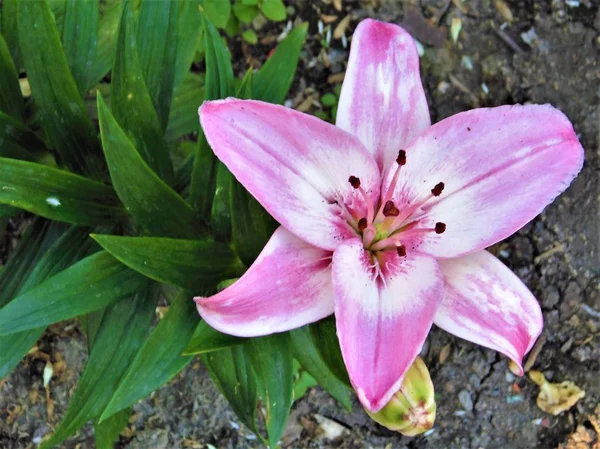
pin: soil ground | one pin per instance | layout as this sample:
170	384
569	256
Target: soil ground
519	51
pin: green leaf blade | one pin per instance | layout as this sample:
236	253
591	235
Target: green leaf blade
157	41
271	359
151	203
159	358
272	82
63	115
206	339
132	103
57	194
196	265
88	285
219	84
306	352
11	100
119	337
79	38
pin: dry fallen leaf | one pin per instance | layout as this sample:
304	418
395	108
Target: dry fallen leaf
328	428
340	29
556	398
584	438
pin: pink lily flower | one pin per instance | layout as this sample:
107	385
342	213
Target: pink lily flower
385	218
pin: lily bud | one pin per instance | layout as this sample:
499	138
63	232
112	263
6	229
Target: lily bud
411	411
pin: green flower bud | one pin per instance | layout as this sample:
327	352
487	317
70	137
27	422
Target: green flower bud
411	411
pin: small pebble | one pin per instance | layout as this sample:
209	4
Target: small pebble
465	400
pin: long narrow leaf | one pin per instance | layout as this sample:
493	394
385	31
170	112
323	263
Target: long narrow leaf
57	194
219	80
79	38
271	359
272	82
121	333
206	339
306	352
11	100
62	111
160	357
183	118
69	248
89	285
151	203
10	31
131	102
107	41
188	39
231	371
157	41
18	141
196	265
108	430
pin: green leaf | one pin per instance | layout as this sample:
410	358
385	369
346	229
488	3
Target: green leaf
120	336
250	36
219	84
305	350
36	240
9	29
151	203
325	338
131	101
11	100
159	359
217	11
271	360
231	371
251	224
183	118
207	339
197	265
302	381
188	39
250	2
157	41
273	10
245	13
89	285
18	141
79	39
62	112
220	216
272	82
69	248
107	41
57	194
108	431
328	100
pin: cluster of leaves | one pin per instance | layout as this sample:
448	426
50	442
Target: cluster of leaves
138	211
232	18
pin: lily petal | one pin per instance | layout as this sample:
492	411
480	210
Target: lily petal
382	100
500	166
486	303
288	286
382	321
295	165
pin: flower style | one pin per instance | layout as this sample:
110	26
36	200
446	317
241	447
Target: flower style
384	218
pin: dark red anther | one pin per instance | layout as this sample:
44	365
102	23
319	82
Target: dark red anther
440	227
354	181
362	224
390	209
401	251
401	159
438	189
